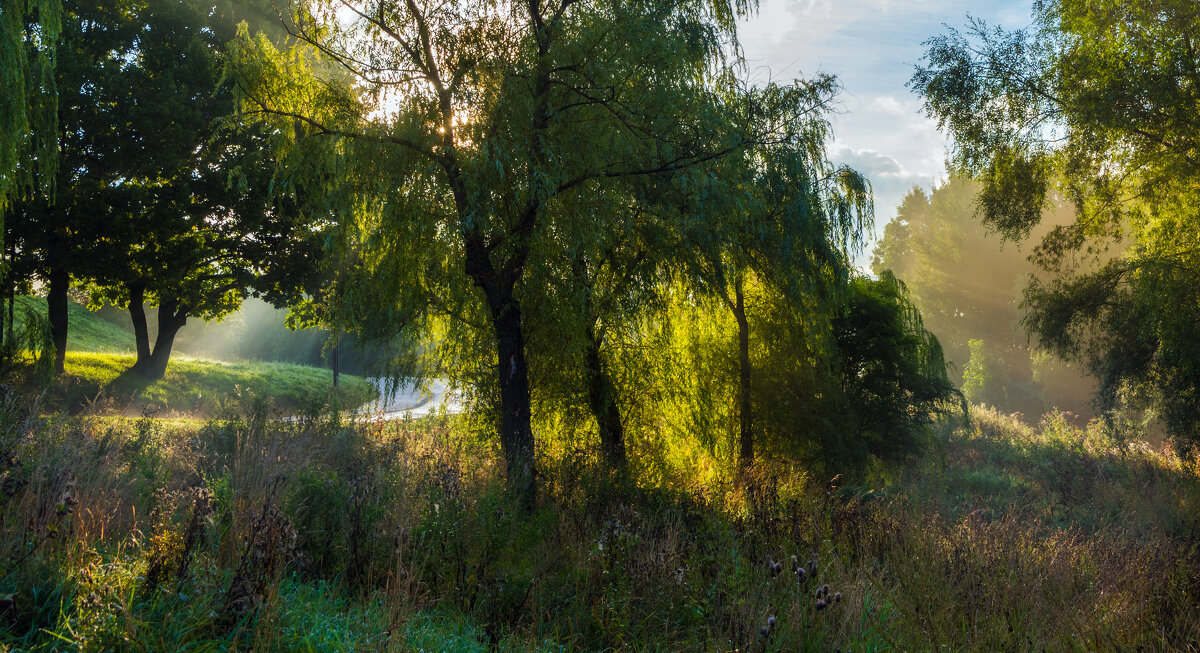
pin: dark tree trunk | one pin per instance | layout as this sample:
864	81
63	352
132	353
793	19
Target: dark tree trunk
56	310
602	399
336	362
141	333
171	318
746	450
12	296
516	432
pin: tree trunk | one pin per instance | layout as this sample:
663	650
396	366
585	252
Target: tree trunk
603	401
516	432
141	333
746	450
56	310
171	318
336	361
12	296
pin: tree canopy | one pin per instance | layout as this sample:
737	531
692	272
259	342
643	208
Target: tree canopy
1093	106
155	200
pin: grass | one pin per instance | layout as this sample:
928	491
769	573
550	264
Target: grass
199	387
86	331
244	532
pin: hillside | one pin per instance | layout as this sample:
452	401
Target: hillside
86	330
99	353
198	387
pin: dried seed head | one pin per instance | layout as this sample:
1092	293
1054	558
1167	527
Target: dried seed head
825	590
795	563
837	597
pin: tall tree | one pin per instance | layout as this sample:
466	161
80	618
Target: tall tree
784	216
1096	106
58	226
155	201
499	112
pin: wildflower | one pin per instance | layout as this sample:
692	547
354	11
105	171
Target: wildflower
820	604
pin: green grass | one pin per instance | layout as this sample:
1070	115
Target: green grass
86	331
199	387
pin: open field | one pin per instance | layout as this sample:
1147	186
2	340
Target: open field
243	532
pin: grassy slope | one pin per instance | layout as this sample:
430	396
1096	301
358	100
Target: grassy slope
195	386
86	331
99	352
399	536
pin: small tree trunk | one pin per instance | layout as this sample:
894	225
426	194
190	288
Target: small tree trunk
603	402
336	361
746	450
171	318
141	333
56	310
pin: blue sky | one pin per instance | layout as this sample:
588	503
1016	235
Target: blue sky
872	46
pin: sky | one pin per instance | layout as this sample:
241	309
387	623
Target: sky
872	47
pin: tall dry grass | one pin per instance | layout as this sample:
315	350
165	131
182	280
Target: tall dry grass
247	532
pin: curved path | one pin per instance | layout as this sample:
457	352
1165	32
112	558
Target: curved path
409	400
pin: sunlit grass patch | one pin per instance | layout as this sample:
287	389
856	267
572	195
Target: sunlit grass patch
197	386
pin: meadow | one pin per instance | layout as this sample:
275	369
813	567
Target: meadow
247	533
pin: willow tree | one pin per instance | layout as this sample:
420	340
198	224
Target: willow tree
1095	105
782	216
29	34
498	113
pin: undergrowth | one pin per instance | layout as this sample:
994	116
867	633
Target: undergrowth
246	532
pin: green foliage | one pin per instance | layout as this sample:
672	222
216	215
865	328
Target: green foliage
159	201
1096	103
29	38
979	375
893	375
